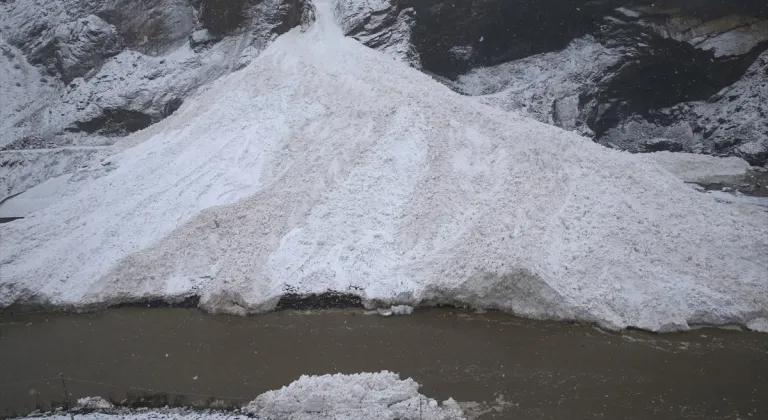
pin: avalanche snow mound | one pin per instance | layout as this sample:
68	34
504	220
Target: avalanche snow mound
325	165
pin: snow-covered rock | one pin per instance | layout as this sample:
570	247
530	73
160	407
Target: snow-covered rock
726	34
625	63
82	45
544	86
734	121
381	24
327	166
79	75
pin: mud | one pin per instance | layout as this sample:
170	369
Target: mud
514	368
753	183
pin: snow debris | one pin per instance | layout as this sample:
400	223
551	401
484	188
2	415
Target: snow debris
396	310
627	12
759	325
327	166
370	396
94	403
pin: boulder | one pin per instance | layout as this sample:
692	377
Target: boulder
83	45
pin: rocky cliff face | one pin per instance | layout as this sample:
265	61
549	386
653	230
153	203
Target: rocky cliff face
642	76
80	74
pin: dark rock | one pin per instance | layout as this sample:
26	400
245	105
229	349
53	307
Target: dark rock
293	13
150	27
654	73
670	56
116	122
327	300
220	17
660	145
171	106
83	45
493	32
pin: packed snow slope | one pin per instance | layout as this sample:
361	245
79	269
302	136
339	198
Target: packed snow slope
325	165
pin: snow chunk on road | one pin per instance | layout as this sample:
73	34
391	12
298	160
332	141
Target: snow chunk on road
94	403
370	396
325	165
360	396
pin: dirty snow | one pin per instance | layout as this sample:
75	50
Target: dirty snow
325	165
370	396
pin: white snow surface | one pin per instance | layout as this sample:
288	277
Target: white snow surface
374	396
325	165
759	325
369	396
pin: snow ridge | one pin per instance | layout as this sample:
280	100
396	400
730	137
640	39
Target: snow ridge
325	165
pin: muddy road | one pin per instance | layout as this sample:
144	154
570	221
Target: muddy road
541	370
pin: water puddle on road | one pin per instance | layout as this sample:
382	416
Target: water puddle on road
518	368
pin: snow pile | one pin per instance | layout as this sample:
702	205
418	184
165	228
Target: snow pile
371	396
325	165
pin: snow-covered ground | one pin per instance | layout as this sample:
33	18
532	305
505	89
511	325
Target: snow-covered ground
370	396
325	165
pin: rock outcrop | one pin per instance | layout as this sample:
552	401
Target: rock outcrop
633	75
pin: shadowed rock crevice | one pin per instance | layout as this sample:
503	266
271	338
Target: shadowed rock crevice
222	16
116	122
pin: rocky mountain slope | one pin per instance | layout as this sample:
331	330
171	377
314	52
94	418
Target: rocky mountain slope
79	75
642	76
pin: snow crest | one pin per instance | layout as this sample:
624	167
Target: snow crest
325	165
